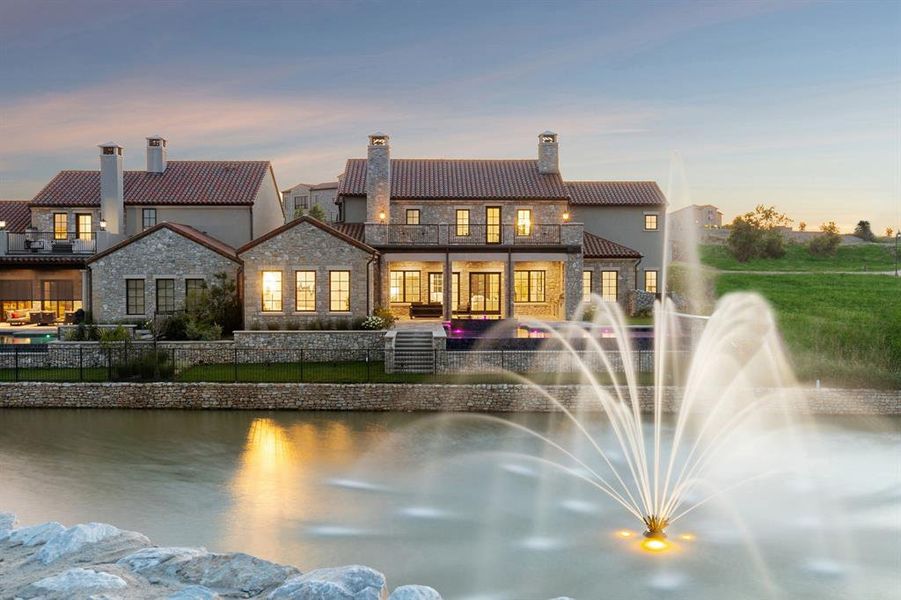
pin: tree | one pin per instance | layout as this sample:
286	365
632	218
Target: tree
766	218
298	213
802	226
827	243
756	234
317	213
218	304
889	232
863	231
743	241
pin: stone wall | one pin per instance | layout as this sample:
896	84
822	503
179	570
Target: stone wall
378	397
312	340
625	276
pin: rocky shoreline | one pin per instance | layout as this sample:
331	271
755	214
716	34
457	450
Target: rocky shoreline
97	561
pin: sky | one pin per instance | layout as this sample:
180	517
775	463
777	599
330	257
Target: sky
790	103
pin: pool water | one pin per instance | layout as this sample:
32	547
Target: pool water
27	338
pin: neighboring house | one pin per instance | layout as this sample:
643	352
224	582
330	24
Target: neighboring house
303	196
79	213
129	281
705	216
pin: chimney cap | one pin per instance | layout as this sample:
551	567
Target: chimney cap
378	139
155	137
109	145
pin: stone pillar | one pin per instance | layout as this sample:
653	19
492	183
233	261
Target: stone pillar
508	288
86	293
448	288
572	278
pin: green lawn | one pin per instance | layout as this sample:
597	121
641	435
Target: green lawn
53	374
842	329
859	257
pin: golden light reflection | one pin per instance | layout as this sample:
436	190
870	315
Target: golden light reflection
625	533
655	545
688	537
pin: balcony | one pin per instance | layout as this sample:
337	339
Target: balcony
505	235
40	243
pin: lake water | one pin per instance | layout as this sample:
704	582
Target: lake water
448	502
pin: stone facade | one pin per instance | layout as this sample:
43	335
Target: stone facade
379	397
305	246
42	218
625	276
311	340
162	254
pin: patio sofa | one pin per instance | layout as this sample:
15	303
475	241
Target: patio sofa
421	310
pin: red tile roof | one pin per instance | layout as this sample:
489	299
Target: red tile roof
450	179
615	193
16	214
328	185
353	230
594	246
39	260
187	231
185	182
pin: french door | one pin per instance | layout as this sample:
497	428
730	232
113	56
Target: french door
485	293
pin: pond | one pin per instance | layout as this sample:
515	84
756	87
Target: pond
454	502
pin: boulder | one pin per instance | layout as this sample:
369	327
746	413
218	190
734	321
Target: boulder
225	573
414	592
87	537
73	583
194	592
35	535
352	582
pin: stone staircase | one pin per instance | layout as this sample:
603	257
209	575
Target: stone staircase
413	351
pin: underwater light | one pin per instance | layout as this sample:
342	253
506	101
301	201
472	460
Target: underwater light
655	544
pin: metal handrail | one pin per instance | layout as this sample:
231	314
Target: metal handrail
49	242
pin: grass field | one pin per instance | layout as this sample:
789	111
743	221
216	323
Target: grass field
842	329
860	257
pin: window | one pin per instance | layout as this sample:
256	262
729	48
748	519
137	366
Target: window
404	286
60	226
462	222
271	291
339	290
493	225
305	291
650	222
57	296
134	297
436	288
412	216
148	218
301	202
83	226
455	290
609	285
650	281
193	292
528	286
523	221
586	286
165	296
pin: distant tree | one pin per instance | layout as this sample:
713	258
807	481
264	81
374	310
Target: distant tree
756	234
766	218
298	212
827	243
863	231
889	232
317	213
802	226
744	240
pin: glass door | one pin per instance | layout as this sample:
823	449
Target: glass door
485	293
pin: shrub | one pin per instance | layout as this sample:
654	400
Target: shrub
756	234
156	364
743	241
772	245
119	334
385	315
292	325
864	232
273	326
827	243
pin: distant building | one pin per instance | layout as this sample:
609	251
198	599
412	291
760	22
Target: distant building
705	216
303	196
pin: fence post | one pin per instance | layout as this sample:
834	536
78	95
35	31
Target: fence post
16	361
109	363
503	361
80	363
236	364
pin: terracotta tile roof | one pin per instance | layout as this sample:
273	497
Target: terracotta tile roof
594	246
185	182
451	179
331	229
187	231
43	259
328	185
16	214
354	230
615	193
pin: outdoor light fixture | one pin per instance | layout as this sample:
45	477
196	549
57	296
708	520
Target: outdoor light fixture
103	224
566	216
2	224
382	216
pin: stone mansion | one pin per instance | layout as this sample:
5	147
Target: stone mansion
425	238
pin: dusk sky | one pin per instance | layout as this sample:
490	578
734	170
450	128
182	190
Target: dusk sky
796	104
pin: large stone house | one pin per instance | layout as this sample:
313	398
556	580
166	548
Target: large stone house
436	238
302	197
81	213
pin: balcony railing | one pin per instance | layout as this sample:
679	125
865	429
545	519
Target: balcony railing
42	242
479	234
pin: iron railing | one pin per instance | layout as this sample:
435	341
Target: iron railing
476	234
48	242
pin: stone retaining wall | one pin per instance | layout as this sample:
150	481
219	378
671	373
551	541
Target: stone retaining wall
324	340
375	397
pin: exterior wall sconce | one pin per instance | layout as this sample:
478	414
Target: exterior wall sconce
566	216
103	224
382	217
2	225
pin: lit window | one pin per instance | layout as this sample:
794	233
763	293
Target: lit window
60	226
650	281
305	291
523	222
165	296
528	286
436	288
339	291
272	291
650	222
134	297
148	218
412	216
194	289
455	290
586	286
609	285
83	226
405	286
493	225
462	222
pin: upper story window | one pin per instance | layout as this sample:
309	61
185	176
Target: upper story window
492	224
271	291
148	218
83	225
462	222
524	221
412	216
301	202
60	226
650	222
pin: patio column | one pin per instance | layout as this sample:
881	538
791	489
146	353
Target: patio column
508	288
86	290
448	291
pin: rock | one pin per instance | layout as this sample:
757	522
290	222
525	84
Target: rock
35	535
84	537
352	582
194	592
414	592
227	573
73	583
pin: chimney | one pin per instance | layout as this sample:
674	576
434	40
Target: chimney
548	156
378	179
156	154
112	198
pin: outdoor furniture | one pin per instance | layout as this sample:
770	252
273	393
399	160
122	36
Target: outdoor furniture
420	310
62	247
17	317
42	317
70	317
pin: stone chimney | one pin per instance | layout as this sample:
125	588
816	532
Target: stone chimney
112	196
378	179
156	154
548	156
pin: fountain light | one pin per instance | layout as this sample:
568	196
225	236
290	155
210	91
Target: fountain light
655	544
625	533
688	537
